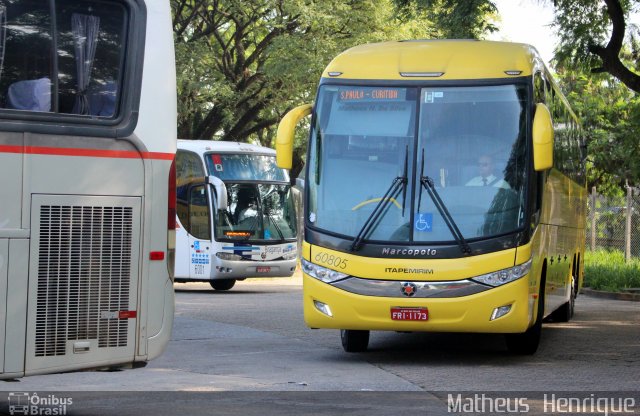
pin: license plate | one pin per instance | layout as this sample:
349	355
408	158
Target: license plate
409	314
263	269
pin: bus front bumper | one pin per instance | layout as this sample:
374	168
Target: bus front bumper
470	313
230	269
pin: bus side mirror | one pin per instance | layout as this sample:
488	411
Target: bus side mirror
286	131
221	192
542	138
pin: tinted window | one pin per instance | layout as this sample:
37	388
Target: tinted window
247	167
257	211
61	56
189	171
198	225
471	145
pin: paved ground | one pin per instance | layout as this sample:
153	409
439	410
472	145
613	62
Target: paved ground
253	339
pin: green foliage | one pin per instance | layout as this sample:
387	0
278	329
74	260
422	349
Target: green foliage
241	65
607	270
453	19
595	37
610	115
580	23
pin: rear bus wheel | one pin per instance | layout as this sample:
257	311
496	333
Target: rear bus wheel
565	312
354	341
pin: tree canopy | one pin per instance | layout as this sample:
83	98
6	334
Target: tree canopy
594	35
453	19
610	115
597	62
242	64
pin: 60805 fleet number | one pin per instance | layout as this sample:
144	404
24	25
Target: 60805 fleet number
331	260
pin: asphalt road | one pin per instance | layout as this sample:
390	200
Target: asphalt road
247	350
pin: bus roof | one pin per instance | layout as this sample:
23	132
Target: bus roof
427	59
202	146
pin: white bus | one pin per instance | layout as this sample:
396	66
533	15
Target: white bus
236	214
87	208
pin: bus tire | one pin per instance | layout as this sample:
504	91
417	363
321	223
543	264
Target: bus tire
565	312
527	342
225	284
354	341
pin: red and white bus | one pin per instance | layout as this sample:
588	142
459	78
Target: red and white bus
87	208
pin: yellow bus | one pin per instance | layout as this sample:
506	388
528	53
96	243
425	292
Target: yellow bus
444	191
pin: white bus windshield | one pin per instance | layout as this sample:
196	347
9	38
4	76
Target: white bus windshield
261	206
469	142
245	167
257	211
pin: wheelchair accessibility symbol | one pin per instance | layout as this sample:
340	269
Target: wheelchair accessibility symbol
424	222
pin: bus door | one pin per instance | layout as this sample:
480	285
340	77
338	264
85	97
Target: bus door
199	232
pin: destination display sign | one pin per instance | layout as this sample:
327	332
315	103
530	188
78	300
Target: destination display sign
355	94
238	233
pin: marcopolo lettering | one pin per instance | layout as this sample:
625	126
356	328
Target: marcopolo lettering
408	252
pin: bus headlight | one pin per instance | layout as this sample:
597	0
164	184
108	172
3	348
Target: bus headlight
503	276
321	273
228	256
290	256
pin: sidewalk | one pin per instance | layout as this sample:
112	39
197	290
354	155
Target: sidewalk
633	297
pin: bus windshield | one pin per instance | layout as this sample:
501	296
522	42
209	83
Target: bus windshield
468	140
257	211
260	201
245	167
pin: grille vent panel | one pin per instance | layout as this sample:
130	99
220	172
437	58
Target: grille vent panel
84	269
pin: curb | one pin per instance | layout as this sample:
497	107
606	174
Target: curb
633	297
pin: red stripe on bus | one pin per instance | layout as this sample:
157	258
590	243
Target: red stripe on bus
11	149
61	151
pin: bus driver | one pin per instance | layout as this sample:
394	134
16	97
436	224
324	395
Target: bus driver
486	175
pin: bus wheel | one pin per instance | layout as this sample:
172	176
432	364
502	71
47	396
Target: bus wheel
527	342
222	284
354	341
565	312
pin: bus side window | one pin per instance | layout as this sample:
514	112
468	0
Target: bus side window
189	170
199	213
75	70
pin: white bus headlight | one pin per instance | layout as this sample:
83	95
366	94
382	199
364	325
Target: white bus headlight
321	273
505	275
290	256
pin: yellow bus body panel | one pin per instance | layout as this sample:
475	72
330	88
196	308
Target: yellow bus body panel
422	269
453	59
453	314
462	314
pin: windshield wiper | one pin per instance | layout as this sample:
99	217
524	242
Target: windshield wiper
270	217
398	184
427	183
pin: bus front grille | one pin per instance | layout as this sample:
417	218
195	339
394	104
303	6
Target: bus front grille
83	276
